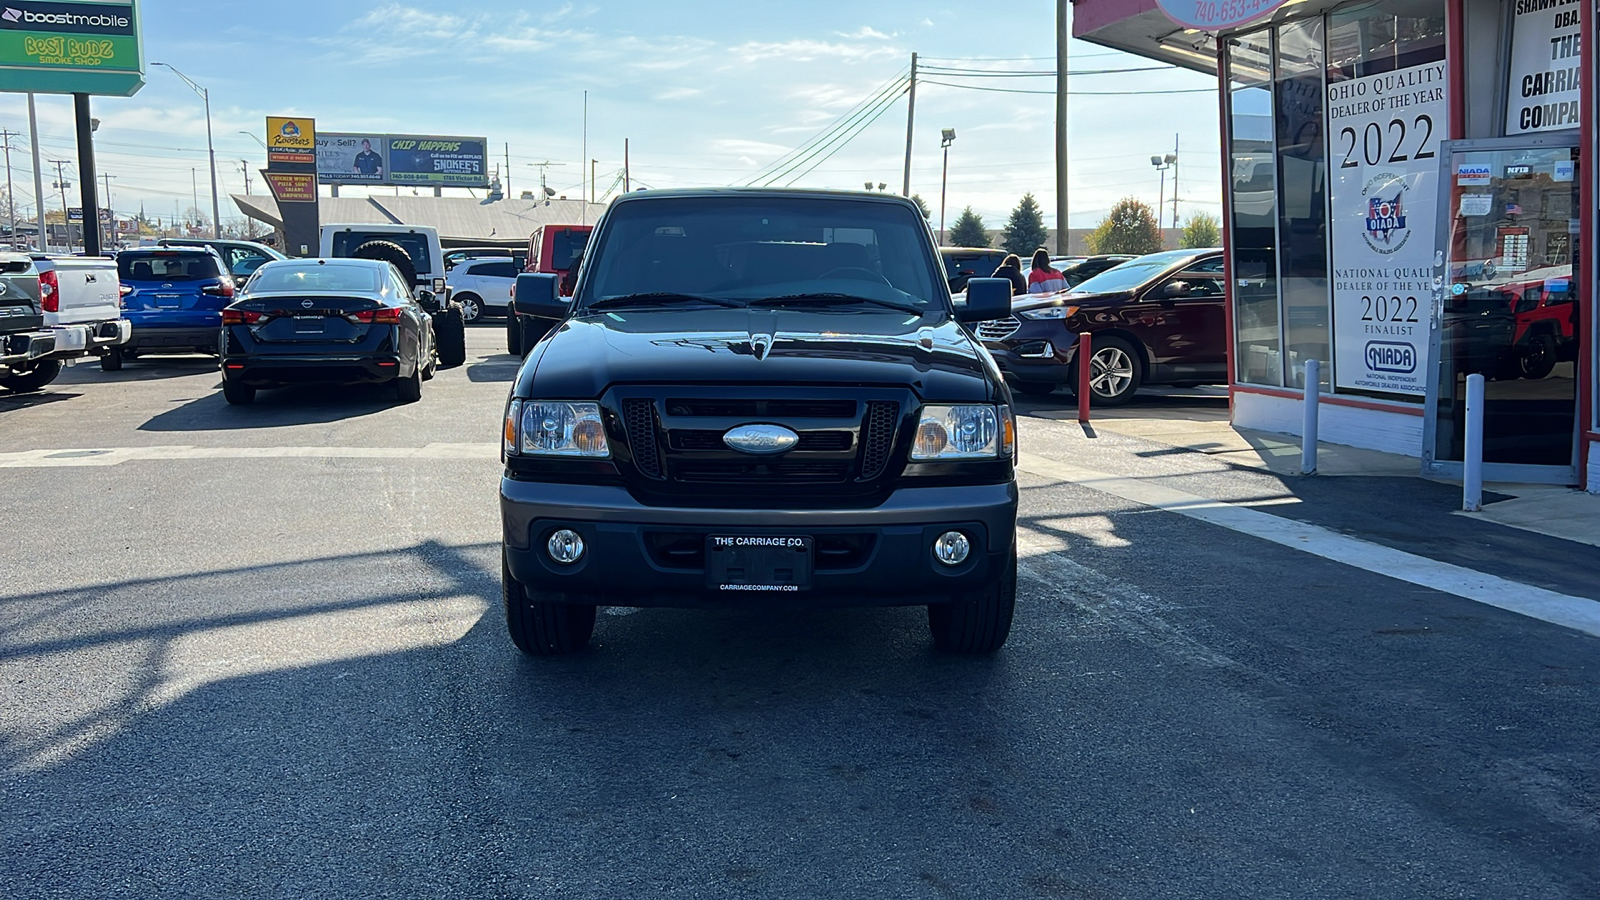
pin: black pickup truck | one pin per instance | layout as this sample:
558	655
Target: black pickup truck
759	398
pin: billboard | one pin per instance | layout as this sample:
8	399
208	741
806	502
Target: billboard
83	47
424	160
291	140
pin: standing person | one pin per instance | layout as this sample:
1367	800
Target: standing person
367	163
1011	268
1044	279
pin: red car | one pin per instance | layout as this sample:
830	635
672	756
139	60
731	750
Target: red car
1156	319
1546	329
556	249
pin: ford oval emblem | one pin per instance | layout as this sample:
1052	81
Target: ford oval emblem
761	439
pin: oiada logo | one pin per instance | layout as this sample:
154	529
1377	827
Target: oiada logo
1386	230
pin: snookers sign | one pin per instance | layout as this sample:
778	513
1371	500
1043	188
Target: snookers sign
1384	132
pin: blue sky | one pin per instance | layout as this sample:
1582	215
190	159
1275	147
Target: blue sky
707	93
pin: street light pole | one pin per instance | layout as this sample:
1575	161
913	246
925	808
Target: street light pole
946	138
211	151
1162	164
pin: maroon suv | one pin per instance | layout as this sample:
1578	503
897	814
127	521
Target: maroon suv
1157	319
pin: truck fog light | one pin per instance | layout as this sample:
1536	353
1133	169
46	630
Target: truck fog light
566	547
952	548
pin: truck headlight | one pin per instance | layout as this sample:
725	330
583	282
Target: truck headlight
555	428
959	432
1050	312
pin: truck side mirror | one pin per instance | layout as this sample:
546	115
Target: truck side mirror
538	294
987	298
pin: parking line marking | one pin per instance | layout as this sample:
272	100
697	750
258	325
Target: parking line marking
1579	613
115	456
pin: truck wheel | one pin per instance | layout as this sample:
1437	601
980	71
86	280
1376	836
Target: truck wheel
450	330
1115	373
513	335
389	252
41	374
111	360
541	627
1538	357
408	389
978	623
530	333
238	394
471	307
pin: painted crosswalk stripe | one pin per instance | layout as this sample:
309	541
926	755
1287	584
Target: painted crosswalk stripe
114	456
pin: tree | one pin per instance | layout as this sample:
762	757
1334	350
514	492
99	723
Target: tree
968	231
1025	232
923	206
1130	227
1200	231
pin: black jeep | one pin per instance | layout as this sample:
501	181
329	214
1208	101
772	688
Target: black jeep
756	398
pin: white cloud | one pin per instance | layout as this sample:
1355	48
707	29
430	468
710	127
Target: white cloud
864	32
807	50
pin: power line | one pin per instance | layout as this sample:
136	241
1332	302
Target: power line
873	106
992	73
973	87
881	110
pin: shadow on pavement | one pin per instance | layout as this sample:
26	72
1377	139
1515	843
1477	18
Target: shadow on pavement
145	368
10	400
495	368
276	407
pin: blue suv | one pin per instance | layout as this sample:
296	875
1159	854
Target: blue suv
174	299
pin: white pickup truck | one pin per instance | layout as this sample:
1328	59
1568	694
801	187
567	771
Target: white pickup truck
55	309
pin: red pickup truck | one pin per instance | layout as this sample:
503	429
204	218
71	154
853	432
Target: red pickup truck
555	249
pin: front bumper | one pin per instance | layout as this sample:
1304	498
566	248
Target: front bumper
273	370
640	555
1036	354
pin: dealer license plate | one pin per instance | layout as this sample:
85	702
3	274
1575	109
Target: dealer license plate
309	324
167	301
758	563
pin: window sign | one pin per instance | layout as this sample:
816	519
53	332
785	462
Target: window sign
1543	93
1384	132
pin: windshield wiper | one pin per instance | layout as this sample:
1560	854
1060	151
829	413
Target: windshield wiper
649	298
827	298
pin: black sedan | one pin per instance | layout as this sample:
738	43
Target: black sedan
341	321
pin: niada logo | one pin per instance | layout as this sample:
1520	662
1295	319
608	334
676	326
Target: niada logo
90	18
1386	230
1389	356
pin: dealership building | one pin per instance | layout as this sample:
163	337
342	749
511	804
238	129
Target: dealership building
1405	197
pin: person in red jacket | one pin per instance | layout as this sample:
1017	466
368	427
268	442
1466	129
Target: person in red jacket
1044	279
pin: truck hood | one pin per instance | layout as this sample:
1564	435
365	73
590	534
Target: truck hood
588	354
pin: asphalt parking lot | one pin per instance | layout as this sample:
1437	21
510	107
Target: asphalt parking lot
259	651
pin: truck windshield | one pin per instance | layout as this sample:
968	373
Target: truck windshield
757	248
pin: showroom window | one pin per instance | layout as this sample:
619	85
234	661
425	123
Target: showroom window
1302	198
1253	196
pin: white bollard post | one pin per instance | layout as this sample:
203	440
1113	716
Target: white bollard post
1308	420
1472	459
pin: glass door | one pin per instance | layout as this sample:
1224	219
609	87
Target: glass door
1506	307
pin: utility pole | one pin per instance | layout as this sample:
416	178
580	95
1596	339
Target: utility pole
1063	38
62	184
11	196
627	182
111	215
911	123
1174	181
508	170
583	219
38	177
592	164
194	185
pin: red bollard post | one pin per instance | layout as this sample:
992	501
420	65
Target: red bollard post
1085	355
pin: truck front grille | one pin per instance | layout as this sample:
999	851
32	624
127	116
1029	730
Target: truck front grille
846	445
998	329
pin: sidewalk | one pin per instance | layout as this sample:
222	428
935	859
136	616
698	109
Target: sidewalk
1200	425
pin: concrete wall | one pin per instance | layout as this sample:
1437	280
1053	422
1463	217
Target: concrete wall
1370	429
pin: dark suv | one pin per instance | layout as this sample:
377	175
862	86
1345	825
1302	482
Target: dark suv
1157	319
759	398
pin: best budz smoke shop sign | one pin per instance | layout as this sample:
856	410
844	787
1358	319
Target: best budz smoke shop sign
71	48
1384	132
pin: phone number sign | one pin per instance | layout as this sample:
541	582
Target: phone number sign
83	47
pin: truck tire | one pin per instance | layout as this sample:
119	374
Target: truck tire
42	373
513	335
450	330
389	252
111	360
238	394
540	626
530	331
1537	357
977	623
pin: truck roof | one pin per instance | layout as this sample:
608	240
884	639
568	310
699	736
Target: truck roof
776	193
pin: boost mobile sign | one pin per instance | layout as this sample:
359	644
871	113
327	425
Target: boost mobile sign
1384	133
84	47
